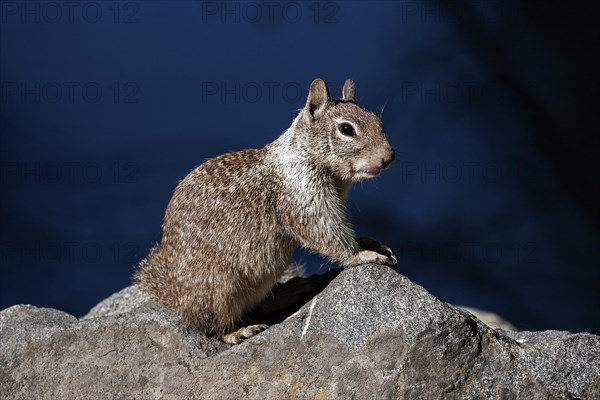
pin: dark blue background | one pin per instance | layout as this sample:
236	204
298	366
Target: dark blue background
491	105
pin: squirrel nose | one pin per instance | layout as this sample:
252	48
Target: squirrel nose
387	161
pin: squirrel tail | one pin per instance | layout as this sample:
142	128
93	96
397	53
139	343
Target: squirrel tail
149	275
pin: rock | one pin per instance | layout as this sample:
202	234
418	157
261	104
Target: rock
371	333
490	319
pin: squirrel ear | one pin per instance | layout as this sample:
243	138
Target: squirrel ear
318	97
349	90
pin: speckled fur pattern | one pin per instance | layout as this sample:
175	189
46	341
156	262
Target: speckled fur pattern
233	223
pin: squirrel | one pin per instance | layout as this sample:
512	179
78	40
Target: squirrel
232	224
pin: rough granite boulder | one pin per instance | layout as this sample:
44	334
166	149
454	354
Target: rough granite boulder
370	333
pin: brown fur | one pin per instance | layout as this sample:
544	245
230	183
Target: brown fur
233	223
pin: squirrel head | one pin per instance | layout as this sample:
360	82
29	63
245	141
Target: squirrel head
342	137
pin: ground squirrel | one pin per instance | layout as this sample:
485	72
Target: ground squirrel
233	223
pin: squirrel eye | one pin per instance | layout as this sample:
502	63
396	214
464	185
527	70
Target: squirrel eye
346	129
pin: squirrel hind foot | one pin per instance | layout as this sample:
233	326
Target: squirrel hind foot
244	333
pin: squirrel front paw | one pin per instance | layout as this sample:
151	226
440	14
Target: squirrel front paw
372	245
373	257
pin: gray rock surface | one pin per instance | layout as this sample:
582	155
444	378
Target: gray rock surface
371	333
490	319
